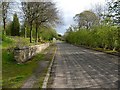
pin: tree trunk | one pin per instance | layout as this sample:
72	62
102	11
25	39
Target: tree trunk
38	34
114	48
25	32
4	26
31	33
105	47
36	40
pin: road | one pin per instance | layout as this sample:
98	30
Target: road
77	67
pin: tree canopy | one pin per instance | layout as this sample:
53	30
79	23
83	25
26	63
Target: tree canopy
40	14
15	28
98	28
86	19
114	11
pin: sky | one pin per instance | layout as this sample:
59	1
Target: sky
68	9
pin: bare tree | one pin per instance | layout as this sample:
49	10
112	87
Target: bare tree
98	9
29	13
114	11
46	15
101	11
5	6
40	14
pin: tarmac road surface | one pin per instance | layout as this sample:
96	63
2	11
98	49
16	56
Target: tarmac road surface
77	67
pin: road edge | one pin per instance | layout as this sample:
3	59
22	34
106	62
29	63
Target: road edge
115	54
45	82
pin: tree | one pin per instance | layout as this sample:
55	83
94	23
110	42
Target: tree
45	15
114	11
39	14
47	33
29	12
101	11
86	19
5	6
15	26
98	9
8	28
23	30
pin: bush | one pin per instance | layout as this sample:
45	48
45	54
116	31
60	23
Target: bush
98	37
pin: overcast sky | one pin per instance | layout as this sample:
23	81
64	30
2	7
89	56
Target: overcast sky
69	8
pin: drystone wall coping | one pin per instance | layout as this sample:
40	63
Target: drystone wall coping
23	54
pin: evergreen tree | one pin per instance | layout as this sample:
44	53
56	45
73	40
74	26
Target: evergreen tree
15	26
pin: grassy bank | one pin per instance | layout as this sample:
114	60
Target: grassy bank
15	75
11	42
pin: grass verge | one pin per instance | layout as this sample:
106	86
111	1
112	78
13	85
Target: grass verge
13	41
15	75
48	57
108	51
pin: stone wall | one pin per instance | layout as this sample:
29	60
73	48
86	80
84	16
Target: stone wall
23	54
